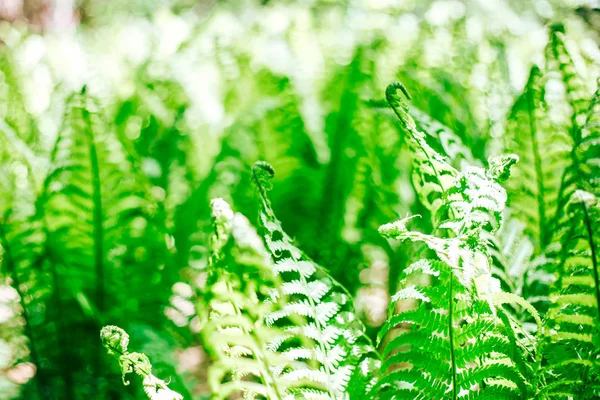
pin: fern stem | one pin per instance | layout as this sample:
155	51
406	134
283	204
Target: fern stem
63	341
62	330
98	226
538	170
98	229
451	334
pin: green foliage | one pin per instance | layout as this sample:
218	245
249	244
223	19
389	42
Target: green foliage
451	341
70	250
318	320
236	332
574	315
140	204
544	151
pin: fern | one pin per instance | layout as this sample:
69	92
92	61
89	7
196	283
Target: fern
432	177
21	241
13	112
466	348
469	350
584	170
116	342
544	156
150	126
492	294
344	167
511	251
236	334
93	223
256	356
444	98
573	319
340	355
449	144
559	58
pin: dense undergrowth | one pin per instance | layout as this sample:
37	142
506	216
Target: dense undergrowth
443	246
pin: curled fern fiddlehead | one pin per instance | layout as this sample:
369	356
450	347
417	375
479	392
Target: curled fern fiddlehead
116	341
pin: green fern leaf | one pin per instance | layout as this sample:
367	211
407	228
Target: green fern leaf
559	58
22	254
584	171
14	112
318	311
543	151
450	344
99	221
573	321
238	299
432	176
446	339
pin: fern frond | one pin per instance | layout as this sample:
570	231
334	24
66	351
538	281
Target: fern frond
22	247
150	125
318	311
432	176
584	171
520	274
358	187
439	136
511	251
14	112
573	114
559	58
447	339
239	300
573	321
451	343
543	150
450	143
444	97
99	222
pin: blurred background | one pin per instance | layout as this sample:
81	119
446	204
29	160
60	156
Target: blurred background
190	94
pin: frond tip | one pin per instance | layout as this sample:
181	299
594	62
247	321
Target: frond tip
499	167
391	90
114	339
262	173
396	229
